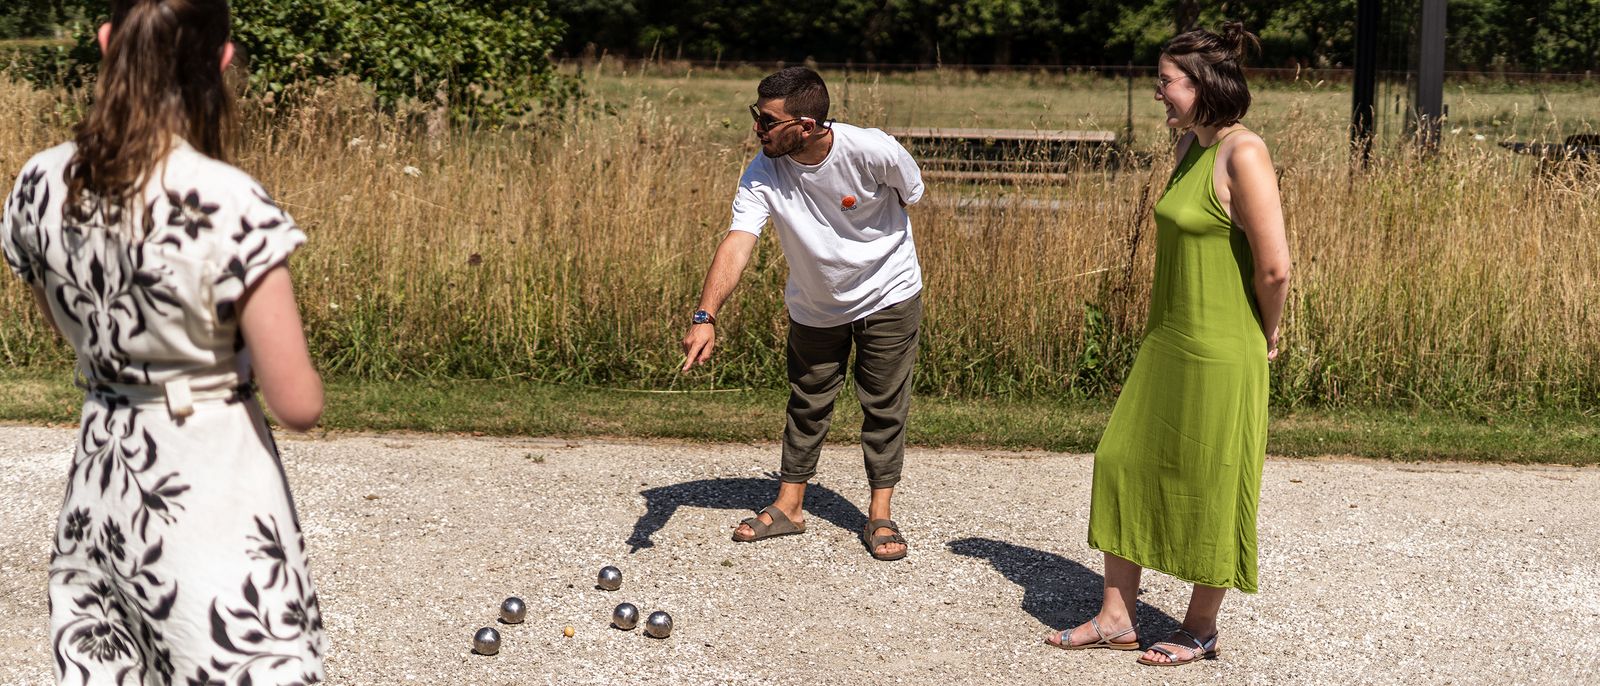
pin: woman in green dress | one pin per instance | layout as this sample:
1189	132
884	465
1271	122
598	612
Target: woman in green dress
1177	475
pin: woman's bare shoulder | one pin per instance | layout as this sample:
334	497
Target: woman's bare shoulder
1243	149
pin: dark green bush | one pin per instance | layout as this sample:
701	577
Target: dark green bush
488	59
27	18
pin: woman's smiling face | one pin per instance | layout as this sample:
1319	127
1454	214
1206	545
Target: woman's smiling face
1175	90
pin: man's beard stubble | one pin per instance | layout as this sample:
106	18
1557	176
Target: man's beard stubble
800	143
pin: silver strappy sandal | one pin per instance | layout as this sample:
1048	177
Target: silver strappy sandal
1103	641
1202	650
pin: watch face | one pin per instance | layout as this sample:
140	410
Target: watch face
702	317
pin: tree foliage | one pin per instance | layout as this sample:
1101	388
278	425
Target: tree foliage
1554	35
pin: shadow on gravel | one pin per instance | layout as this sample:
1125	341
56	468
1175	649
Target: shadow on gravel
1055	590
748	494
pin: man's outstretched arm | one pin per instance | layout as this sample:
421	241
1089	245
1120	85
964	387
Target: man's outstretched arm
726	267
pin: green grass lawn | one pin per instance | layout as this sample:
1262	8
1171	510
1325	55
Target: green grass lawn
529	409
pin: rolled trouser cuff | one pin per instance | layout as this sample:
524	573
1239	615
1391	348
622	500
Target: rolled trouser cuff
883	470
886	482
797	478
799	465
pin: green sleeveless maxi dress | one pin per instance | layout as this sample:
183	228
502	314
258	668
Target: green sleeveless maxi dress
1177	475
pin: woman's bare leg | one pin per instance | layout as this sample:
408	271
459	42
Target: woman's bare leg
1116	606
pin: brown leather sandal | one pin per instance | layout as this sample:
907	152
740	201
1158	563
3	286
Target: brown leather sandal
781	526
1064	637
873	540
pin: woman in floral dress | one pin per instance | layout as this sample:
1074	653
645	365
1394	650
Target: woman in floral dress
178	556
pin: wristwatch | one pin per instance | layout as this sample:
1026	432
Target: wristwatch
704	317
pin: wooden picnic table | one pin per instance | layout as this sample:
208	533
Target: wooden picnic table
997	135
1006	155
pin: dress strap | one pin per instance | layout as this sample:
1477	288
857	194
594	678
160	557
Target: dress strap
1225	136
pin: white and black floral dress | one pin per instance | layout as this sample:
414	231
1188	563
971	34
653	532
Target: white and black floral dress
178	557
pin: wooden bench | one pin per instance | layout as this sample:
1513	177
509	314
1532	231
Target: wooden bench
1006	155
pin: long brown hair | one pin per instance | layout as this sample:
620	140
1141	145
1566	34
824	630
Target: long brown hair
1215	63
161	77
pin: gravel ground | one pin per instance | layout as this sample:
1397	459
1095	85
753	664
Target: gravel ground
1370	572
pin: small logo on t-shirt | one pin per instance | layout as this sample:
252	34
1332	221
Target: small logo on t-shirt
848	203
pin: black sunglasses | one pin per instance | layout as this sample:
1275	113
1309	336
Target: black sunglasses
764	122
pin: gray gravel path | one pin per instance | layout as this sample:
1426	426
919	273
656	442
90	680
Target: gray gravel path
1371	572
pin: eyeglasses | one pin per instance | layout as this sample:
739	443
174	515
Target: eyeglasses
1161	84
765	123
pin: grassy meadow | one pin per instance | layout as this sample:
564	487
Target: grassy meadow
569	251
1286	102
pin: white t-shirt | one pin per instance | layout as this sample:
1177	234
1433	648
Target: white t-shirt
843	231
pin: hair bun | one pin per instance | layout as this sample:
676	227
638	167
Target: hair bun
1238	41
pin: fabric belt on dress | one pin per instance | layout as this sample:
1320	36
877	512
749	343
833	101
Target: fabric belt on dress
177	395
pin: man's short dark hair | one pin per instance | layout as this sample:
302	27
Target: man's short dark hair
801	89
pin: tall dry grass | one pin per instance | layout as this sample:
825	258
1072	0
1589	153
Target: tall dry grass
572	252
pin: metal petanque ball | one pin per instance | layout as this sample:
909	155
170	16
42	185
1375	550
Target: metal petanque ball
658	625
513	610
625	617
486	641
610	578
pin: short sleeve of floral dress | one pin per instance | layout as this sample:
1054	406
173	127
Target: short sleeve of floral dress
178	555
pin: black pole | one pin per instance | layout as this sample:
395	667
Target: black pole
1430	74
1127	127
1364	92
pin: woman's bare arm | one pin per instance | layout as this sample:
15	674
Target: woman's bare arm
271	326
1258	210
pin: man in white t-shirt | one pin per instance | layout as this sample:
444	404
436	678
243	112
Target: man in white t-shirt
837	196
